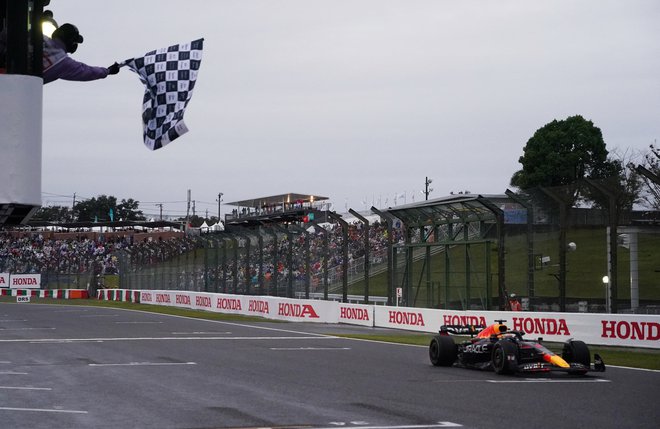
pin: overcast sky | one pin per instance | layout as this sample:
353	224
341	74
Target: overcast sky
355	100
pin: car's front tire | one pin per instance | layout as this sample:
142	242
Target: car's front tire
442	350
576	351
505	357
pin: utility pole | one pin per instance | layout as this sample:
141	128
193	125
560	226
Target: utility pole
219	202
427	190
188	207
161	210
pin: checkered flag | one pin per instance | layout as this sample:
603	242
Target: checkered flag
169	76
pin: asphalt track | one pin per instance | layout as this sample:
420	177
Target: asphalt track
91	367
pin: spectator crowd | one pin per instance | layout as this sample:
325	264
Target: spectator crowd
101	254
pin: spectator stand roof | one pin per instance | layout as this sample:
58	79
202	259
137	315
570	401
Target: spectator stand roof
282	208
470	213
281	199
453	209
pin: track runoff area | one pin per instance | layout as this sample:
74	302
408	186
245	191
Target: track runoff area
72	366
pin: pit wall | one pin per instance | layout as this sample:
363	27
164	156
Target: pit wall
627	330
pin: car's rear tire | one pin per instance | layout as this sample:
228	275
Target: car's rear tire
576	351
442	350
505	357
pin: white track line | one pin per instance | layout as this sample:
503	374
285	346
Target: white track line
439	425
308	348
42	410
82	340
24	388
550	380
143	364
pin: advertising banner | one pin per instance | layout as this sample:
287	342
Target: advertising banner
304	310
594	328
260	306
4	280
25	281
356	314
223	303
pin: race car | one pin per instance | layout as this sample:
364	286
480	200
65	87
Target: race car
497	348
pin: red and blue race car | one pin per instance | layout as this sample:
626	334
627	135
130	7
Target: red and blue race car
497	348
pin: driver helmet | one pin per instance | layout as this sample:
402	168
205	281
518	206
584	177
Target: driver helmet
69	35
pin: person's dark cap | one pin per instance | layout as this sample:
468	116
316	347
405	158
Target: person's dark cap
69	35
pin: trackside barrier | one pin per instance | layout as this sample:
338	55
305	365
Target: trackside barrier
118	295
20	281
627	330
50	293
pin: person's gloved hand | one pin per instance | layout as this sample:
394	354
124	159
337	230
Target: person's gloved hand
113	69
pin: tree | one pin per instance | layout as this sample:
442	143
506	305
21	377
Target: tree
95	208
105	208
561	153
651	191
128	210
54	214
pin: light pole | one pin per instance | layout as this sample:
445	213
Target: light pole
608	303
427	190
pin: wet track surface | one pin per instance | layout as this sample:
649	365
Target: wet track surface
89	367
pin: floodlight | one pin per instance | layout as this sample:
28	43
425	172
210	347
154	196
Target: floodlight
48	23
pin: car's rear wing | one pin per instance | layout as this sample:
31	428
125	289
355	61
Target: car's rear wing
471	330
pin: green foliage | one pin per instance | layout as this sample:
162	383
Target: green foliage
651	195
128	210
563	152
100	209
54	214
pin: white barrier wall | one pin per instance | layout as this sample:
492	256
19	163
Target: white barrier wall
632	330
605	329
293	310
